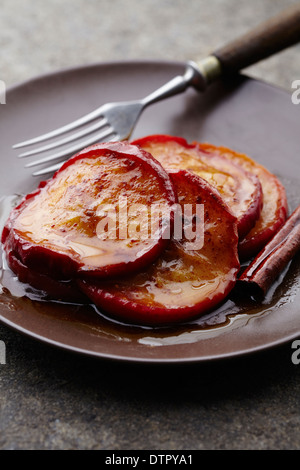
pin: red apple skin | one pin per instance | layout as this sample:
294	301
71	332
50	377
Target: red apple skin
62	262
54	290
275	205
266	228
181	284
240	189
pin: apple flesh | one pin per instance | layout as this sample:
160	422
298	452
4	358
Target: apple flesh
240	189
184	282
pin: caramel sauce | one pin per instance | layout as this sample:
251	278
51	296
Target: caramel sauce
237	310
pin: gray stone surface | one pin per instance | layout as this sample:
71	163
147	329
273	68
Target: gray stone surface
50	399
38	37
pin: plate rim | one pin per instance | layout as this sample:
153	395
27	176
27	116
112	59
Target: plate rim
132	359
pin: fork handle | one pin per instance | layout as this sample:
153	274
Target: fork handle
271	36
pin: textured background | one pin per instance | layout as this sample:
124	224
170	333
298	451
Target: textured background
37	36
52	400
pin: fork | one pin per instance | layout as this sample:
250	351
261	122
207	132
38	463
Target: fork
116	121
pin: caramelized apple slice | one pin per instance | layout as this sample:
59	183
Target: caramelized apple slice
187	280
275	207
240	189
85	220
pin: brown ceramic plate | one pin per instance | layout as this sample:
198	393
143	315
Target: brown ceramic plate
248	115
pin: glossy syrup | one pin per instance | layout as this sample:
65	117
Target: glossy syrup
235	311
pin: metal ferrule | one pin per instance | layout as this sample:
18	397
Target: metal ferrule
209	69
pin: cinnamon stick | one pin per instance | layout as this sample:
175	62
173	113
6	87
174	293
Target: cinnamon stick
274	257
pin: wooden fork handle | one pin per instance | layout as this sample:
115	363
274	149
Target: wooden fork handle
272	36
